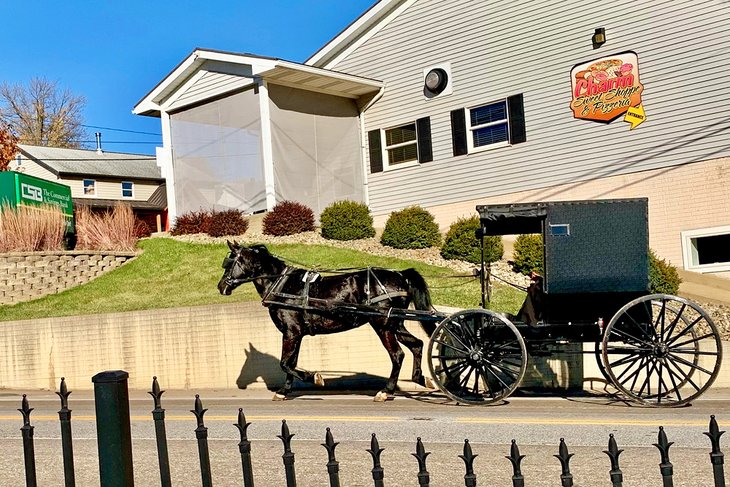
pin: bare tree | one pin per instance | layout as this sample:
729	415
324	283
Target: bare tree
8	146
41	113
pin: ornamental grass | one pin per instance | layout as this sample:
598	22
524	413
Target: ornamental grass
31	228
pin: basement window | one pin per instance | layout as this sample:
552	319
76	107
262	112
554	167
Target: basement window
707	250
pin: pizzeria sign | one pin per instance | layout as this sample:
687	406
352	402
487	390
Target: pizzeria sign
606	88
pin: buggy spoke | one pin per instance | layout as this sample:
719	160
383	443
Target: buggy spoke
674	322
694	351
695	340
685	331
671	376
448	345
496	376
616	349
660	317
689	364
625	360
450	368
630	336
485	378
639	326
686	377
506	370
457	338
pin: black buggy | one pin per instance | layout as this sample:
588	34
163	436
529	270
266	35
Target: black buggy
657	349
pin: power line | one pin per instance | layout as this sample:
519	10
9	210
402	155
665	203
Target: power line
103	142
120	130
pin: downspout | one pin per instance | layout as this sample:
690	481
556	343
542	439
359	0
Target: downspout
363	153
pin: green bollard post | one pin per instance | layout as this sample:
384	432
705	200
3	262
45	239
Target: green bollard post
113	430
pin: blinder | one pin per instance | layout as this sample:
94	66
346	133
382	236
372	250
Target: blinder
228	262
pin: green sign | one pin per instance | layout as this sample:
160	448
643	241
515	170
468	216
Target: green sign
17	189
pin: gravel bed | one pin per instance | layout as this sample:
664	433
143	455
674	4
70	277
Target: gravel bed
719	313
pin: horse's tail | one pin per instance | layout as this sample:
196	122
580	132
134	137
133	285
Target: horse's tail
420	295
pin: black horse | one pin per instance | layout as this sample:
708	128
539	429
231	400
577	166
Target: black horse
302	302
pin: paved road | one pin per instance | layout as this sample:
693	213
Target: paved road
536	422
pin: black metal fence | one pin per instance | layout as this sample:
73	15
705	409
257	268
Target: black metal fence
115	462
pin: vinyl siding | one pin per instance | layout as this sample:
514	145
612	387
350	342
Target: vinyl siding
32	168
107	189
501	48
208	85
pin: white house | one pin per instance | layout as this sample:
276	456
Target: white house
452	103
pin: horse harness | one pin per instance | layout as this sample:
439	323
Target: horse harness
375	292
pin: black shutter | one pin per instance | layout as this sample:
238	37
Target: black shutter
458	132
376	152
516	110
423	132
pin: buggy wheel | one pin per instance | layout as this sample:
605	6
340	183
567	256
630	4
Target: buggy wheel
662	350
477	357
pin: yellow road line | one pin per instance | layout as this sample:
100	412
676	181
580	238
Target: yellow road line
582	422
215	418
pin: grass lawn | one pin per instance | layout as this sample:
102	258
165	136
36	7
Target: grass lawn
171	274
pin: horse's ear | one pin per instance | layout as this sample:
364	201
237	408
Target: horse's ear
236	244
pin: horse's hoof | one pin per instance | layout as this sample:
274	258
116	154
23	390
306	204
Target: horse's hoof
382	396
428	383
279	397
318	379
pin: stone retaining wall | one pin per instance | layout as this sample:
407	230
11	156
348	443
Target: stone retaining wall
30	275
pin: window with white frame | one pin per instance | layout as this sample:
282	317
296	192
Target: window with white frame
401	145
707	250
127	189
488	126
89	187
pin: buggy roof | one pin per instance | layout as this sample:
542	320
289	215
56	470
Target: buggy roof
512	219
521	218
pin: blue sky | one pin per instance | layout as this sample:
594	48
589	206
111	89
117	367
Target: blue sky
114	52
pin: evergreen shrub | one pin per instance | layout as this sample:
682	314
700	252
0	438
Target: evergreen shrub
288	218
346	220
528	255
663	276
462	243
411	228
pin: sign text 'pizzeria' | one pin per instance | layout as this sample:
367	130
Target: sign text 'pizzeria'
606	88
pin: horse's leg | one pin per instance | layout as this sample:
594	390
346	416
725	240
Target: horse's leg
290	346
390	342
415	345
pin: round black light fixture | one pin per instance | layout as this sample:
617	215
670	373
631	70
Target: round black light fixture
436	81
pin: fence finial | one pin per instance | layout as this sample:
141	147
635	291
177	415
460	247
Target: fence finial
617	476
470	478
716	456
244	448
421	455
63	393
666	467
288	456
375	451
333	466
199	411
25	410
156	393
566	477
514	456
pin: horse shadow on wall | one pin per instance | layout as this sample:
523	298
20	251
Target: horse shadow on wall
264	367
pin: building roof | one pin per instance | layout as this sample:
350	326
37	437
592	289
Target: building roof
251	67
81	162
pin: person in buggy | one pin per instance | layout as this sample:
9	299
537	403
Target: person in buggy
532	308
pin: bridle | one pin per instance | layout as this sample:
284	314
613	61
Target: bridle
229	264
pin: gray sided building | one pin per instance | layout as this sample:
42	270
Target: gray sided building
526	101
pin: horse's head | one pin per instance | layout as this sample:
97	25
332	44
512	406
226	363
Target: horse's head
242	264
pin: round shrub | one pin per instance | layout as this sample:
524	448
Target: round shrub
288	218
663	276
191	222
227	222
346	220
411	228
528	255
462	243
